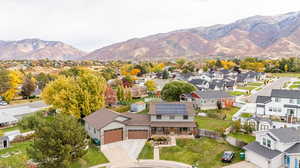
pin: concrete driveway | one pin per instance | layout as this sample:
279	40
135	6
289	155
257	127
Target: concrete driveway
123	152
243	164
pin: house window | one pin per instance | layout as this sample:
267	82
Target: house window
269	143
185	117
270	109
264	142
94	130
158	117
277	99
291	101
172	117
298	101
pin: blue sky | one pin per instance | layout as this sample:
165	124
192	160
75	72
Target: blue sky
91	24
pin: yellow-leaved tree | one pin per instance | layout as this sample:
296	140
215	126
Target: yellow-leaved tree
15	80
78	96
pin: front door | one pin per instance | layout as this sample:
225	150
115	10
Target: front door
5	143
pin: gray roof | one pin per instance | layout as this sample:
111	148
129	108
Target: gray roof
281	93
262	151
286	135
263	99
212	94
291	106
171	108
294	149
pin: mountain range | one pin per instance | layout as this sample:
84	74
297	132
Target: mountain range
33	49
257	36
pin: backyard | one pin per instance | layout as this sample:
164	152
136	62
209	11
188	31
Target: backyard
212	124
243	137
205	152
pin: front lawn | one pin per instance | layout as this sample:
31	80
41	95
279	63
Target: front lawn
204	152
249	88
246	115
294	86
147	152
255	84
237	93
92	158
212	123
243	137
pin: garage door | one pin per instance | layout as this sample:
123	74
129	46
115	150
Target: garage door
114	135
256	159
138	134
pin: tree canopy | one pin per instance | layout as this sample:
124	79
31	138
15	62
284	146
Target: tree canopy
58	142
78	96
172	90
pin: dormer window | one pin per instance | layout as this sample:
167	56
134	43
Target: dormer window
185	117
298	101
158	117
264	141
269	143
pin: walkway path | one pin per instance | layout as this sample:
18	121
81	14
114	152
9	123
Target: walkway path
156	153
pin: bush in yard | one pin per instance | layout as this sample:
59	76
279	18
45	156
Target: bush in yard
58	142
248	128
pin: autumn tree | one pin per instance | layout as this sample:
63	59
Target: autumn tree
43	79
15	80
78	96
172	90
151	85
58	142
28	87
4	81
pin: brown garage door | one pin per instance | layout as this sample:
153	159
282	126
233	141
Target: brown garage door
138	134
114	135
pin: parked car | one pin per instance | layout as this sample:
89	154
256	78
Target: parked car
227	156
3	103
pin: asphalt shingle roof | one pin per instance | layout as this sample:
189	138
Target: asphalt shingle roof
263	99
281	93
294	149
286	135
212	94
262	151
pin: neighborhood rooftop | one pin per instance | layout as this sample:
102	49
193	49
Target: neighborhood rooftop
262	151
211	94
280	93
175	108
287	134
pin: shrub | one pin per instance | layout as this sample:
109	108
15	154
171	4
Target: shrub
21	138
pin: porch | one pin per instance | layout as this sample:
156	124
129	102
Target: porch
172	131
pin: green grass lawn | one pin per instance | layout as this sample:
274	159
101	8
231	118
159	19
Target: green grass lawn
212	123
289	74
237	93
92	158
249	88
294	86
205	152
255	84
225	113
243	137
246	115
147	152
297	82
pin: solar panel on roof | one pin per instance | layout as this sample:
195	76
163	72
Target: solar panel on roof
171	109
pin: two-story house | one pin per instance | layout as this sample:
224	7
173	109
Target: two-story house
283	105
275	148
108	126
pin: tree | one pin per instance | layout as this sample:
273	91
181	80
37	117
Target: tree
4	81
165	74
218	63
180	62
28	86
172	90
120	93
31	122
151	85
58	142
78	96
15	79
43	79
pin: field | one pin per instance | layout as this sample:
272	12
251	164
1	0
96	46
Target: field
204	152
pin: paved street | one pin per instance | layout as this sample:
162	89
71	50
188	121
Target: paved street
36	104
277	84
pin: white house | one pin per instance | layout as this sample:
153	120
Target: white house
275	148
283	105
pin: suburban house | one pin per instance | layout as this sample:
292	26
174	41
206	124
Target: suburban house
275	148
282	105
205	100
108	126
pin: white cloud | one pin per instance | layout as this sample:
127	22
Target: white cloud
90	24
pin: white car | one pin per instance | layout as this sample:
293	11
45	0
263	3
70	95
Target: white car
3	103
